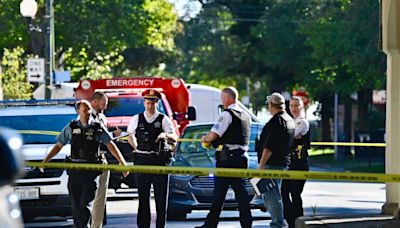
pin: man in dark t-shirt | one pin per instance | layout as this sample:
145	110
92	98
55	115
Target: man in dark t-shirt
273	153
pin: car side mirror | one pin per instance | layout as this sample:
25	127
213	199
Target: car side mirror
11	158
191	113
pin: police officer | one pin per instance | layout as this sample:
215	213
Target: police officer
273	152
150	131
99	103
85	137
292	189
230	136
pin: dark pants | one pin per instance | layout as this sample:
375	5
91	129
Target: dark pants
82	189
160	185
221	185
292	202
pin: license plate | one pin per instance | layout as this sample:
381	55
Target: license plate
230	195
27	193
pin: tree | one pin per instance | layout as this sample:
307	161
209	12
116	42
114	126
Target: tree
13	75
98	27
344	46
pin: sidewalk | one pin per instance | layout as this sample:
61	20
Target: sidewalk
351	221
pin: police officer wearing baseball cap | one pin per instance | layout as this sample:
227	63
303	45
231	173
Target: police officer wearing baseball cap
153	139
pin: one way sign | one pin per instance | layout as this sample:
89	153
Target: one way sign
35	69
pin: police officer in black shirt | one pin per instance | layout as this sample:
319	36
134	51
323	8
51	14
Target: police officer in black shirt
230	137
292	189
273	152
85	138
153	139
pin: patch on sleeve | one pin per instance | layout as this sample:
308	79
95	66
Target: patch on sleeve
220	119
216	126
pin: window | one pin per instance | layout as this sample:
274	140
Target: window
38	123
128	106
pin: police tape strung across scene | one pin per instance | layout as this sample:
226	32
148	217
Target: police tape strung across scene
198	140
228	172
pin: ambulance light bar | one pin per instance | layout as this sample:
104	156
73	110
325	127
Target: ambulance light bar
14	103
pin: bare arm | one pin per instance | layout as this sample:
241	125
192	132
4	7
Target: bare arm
211	136
54	151
132	141
264	158
117	154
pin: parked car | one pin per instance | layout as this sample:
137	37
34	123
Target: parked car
39	122
189	192
11	167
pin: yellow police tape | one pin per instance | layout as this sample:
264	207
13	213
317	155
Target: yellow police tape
315	143
228	172
198	140
38	132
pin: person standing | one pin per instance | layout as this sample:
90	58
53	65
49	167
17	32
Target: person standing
85	137
230	136
273	152
292	189
99	103
149	133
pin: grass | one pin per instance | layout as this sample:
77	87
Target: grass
326	160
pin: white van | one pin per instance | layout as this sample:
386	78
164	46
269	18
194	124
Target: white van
207	101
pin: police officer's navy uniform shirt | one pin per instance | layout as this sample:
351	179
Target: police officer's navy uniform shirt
66	134
223	121
167	125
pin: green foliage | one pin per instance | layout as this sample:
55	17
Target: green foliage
13	28
101	66
13	75
344	38
100	28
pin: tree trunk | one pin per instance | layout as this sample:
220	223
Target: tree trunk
347	125
326	115
364	101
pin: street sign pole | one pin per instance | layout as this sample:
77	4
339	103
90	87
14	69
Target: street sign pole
49	53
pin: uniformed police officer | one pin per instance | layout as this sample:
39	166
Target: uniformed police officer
85	137
150	130
292	189
230	135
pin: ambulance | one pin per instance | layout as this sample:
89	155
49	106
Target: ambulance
125	100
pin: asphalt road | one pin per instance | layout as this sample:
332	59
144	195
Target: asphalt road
320	198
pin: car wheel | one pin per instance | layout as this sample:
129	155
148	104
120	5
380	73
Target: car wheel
173	215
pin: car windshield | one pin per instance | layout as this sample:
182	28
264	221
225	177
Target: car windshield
33	127
195	132
128	106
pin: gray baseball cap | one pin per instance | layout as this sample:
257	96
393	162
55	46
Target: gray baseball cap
276	99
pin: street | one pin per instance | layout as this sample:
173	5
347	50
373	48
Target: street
320	198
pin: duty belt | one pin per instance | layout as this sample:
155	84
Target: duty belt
146	152
225	155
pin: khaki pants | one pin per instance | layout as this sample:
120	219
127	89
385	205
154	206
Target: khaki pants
99	201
